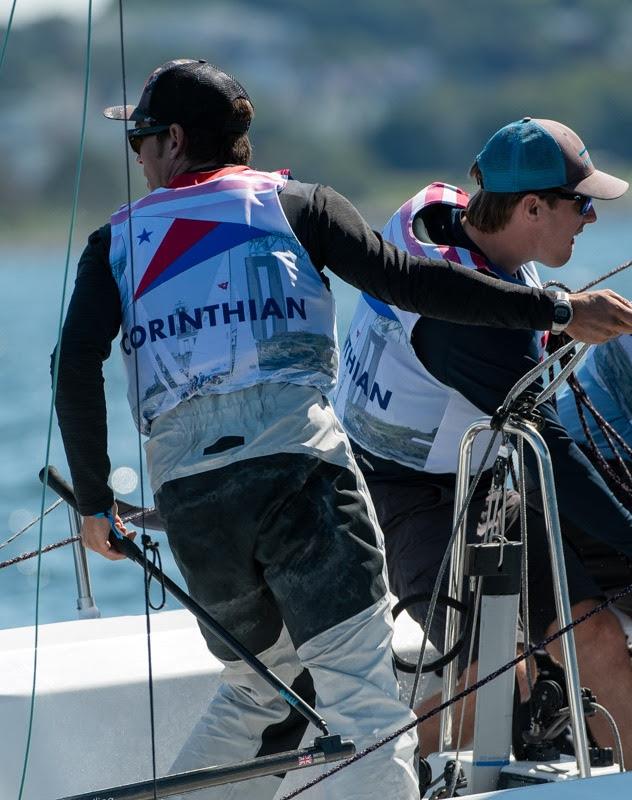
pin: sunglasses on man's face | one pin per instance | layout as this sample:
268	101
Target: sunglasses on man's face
136	135
584	203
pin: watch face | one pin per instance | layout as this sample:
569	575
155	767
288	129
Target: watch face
562	313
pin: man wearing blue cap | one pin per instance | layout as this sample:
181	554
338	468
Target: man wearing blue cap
409	386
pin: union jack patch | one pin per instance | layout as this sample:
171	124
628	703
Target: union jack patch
306	760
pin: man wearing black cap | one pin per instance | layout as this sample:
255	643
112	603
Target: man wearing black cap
216	282
435	378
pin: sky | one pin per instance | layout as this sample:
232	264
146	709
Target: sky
29	10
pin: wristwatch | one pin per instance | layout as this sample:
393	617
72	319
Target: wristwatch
562	312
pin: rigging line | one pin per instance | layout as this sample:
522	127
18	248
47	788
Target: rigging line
73	216
32	554
7	34
521	486
615	734
442	568
615	441
27	527
563	374
470	656
612	272
526	653
535	372
489	535
148	572
137	392
126	517
589	285
619	484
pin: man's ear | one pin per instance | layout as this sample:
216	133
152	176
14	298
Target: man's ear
177	139
531	207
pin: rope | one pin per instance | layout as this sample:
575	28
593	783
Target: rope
612	272
592	283
33	553
615	734
621	486
13	537
7	34
529	377
528	651
520	485
148	569
137	387
73	216
443	567
127	517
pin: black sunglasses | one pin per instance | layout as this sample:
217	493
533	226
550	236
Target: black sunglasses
584	203
135	135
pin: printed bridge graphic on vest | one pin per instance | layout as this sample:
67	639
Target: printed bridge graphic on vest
211	316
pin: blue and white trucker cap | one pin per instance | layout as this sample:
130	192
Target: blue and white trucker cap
534	154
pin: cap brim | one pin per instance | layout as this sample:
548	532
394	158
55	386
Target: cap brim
119	112
601	186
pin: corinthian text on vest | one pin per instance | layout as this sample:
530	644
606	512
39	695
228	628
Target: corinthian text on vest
362	379
240	311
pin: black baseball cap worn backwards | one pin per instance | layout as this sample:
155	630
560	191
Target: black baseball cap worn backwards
189	92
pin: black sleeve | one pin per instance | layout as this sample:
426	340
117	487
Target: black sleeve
483	365
92	322
336	236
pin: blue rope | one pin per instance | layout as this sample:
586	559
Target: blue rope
55	379
7	34
152	722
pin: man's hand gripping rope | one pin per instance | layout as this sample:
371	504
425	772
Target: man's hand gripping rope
99	531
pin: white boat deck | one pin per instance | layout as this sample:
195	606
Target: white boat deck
91	726
91	719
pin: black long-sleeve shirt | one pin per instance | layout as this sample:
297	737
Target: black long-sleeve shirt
334	235
483	364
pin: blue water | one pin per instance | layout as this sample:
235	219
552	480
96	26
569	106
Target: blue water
30	296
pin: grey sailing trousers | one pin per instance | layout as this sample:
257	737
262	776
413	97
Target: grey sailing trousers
285	551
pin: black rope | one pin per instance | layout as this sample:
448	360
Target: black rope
442	600
27	527
443	566
128	516
592	283
620	484
619	480
148	568
528	651
154	569
34	553
612	272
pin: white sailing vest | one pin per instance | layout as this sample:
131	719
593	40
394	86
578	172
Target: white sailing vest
217	294
386	399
